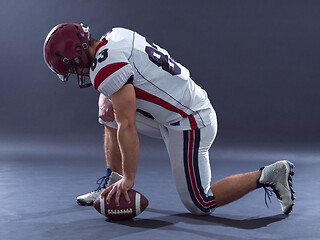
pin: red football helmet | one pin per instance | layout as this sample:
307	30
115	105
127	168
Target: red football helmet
60	54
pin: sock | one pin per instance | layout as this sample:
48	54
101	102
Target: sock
259	185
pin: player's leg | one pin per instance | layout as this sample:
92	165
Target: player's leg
191	172
188	151
278	176
147	126
234	187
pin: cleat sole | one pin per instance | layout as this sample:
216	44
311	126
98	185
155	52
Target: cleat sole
290	175
83	203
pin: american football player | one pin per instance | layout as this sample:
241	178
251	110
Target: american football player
143	89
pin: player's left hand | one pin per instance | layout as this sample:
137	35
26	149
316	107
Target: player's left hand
118	188
105	109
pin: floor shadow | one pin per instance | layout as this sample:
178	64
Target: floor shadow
143	223
250	223
171	218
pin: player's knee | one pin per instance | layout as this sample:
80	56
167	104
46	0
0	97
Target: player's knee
197	209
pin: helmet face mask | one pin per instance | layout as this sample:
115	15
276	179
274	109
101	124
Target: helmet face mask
75	66
66	51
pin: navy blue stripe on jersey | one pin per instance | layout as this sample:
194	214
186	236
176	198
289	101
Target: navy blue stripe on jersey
196	168
191	165
188	179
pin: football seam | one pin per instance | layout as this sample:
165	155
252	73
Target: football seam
119	211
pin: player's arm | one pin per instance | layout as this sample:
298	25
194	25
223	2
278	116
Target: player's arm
124	105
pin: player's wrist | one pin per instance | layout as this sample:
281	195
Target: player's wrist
129	177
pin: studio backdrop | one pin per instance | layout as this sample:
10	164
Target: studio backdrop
258	61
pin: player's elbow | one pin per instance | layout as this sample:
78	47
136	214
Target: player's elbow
127	124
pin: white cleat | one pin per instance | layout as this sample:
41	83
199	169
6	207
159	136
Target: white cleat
104	182
278	176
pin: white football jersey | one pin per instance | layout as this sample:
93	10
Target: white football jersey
164	90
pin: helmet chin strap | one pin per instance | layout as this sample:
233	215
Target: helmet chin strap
82	78
85	47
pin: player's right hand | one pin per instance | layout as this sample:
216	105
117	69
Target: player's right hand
118	188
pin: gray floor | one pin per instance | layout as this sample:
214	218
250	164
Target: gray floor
40	181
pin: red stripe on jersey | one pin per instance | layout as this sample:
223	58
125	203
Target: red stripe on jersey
193	122
106	72
141	94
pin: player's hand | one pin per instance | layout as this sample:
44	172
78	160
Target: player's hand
118	188
105	109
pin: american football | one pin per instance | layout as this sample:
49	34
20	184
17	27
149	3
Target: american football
125	211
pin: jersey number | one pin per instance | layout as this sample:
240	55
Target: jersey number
161	59
103	56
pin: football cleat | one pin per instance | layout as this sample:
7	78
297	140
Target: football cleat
278	176
103	182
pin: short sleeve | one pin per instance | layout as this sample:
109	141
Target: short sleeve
110	75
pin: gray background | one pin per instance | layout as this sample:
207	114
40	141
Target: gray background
258	61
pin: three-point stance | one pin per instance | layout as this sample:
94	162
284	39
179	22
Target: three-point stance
144	89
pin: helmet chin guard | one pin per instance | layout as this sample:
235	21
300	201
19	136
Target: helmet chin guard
61	51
